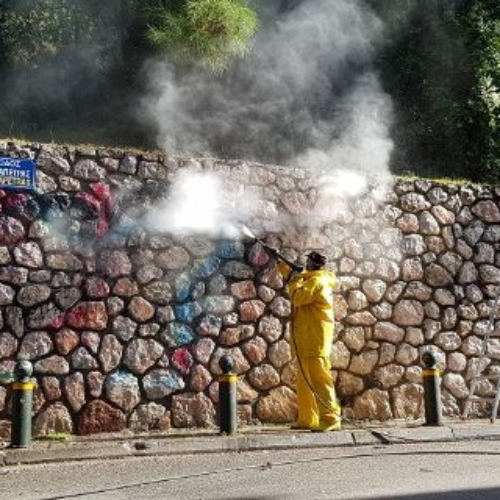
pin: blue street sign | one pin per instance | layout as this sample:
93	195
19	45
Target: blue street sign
17	173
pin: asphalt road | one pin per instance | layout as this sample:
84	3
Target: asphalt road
433	471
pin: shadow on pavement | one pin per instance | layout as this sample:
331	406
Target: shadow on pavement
475	494
265	497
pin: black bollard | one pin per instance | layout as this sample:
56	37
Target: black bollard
227	396
22	405
432	390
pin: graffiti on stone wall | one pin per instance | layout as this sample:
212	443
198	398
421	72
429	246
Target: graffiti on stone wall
87	214
126	327
95	215
134	330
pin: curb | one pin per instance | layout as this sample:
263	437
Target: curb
22	456
142	446
74	451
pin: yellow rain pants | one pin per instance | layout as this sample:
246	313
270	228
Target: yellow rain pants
318	409
313	324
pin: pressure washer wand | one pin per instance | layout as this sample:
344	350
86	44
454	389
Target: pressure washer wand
295	267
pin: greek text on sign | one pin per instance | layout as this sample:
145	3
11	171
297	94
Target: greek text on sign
17	173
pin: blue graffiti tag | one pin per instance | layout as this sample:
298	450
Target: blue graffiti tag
187	312
177	334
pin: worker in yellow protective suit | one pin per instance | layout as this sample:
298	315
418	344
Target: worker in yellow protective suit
313	323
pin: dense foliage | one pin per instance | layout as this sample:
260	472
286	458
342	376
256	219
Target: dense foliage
212	32
441	65
68	68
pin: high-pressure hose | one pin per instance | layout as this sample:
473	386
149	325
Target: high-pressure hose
299	361
295	268
272	251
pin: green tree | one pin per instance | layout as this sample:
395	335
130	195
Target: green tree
68	68
212	32
440	63
481	23
75	63
34	31
422	64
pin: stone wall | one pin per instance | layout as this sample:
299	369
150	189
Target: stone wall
125	327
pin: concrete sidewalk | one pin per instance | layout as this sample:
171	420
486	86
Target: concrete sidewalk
175	442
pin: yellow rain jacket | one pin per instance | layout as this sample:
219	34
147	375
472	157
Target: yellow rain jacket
312	293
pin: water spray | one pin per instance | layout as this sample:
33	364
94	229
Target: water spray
272	251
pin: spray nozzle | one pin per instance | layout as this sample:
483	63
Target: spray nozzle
248	233
271	250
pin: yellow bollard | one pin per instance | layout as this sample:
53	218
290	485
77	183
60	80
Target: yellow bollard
227	396
432	390
22	405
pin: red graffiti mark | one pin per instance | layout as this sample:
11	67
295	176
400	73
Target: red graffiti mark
96	204
103	193
100	198
258	256
102	227
182	360
91	315
13	200
89	200
18	205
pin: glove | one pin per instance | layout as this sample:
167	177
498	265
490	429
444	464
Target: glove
295	273
284	269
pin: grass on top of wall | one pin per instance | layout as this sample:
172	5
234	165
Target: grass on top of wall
438	180
90	142
81	144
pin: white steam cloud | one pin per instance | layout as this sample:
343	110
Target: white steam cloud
307	95
363	143
193	205
307	86
201	203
